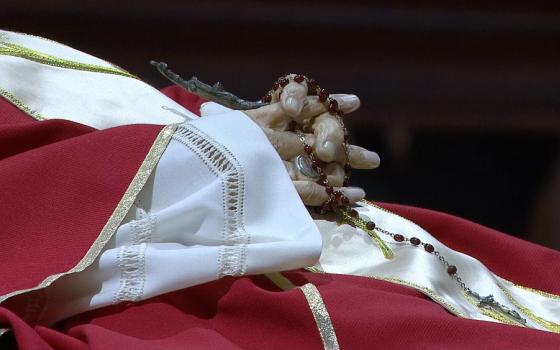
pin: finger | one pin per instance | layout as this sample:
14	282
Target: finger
269	116
293	98
347	104
314	194
335	174
361	158
287	144
291	170
329	135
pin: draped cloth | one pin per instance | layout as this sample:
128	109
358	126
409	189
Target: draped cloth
69	191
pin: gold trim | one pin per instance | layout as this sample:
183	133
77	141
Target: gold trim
15	50
136	185
23	107
549	325
321	316
426	291
536	291
317	306
347	219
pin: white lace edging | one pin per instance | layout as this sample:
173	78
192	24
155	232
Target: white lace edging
232	260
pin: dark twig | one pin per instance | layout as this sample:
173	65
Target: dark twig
214	93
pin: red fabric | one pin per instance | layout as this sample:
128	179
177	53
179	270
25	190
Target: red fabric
250	312
187	100
60	182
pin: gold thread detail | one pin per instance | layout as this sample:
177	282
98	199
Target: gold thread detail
549	325
23	107
356	222
536	291
426	291
122	208
321	316
15	50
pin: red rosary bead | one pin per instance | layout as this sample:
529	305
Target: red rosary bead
283	81
299	78
398	237
329	189
275	85
452	269
323	94
333	106
429	248
415	241
354	213
308	149
266	99
370	225
312	84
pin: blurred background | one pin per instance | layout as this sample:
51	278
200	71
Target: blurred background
460	98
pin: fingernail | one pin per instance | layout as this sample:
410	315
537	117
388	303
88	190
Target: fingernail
372	158
354	194
350	103
329	148
293	105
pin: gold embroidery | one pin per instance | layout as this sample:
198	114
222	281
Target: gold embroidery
551	326
387	252
536	291
15	50
144	172
321	316
24	108
317	306
424	290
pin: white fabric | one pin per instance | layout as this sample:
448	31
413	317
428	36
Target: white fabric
348	250
176	235
99	100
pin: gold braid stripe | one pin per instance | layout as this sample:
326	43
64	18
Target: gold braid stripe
347	219
23	107
539	292
142	175
317	306
15	50
551	326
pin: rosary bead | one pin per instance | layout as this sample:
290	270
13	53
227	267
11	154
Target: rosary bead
398	237
415	241
353	213
333	106
266	99
283	81
329	189
345	200
452	269
308	149
299	78
315	164
429	248
312	84
323	177
370	225
323	94
275	85
337	195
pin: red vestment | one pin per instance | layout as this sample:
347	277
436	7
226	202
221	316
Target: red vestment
47	169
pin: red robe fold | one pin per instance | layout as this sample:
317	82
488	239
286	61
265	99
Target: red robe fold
60	181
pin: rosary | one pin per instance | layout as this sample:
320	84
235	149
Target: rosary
312	167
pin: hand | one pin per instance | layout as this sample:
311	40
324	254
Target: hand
327	139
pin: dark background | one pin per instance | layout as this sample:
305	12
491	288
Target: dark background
460	98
